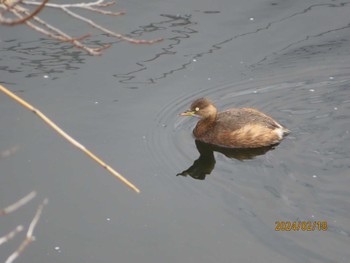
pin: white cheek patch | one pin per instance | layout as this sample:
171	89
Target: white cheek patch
196	109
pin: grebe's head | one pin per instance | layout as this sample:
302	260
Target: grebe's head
202	108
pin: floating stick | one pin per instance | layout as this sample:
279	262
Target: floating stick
68	137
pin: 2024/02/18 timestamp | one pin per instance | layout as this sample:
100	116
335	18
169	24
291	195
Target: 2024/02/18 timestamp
301	225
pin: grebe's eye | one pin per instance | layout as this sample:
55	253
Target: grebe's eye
196	109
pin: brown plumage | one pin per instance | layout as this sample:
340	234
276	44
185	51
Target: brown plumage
234	128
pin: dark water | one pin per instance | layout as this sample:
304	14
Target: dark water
289	59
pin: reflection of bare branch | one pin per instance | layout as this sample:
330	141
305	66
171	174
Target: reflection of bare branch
18	204
29	237
68	137
9	151
19	8
11	234
36	219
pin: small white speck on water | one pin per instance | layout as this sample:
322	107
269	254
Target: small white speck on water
311	90
96	102
251	19
164	125
144	137
312	216
255	91
209	78
335	108
46	76
58	249
194	60
108	219
314	176
331	78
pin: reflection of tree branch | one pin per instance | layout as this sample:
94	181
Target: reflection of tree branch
8	152
18	204
182	27
11	234
19	9
29	236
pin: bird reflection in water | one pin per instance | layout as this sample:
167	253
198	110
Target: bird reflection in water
205	164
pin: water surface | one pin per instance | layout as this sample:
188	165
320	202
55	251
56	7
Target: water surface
288	59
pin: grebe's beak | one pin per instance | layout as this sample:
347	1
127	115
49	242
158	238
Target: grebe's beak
187	113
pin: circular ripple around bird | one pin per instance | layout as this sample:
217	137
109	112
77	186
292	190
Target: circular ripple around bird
300	103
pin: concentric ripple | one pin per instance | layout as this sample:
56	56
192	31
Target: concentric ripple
297	101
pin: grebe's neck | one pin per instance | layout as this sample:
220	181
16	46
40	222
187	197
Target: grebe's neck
204	125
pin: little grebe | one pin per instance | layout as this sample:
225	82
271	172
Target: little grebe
234	128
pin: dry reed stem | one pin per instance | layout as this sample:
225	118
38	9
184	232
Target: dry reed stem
29	236
68	137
